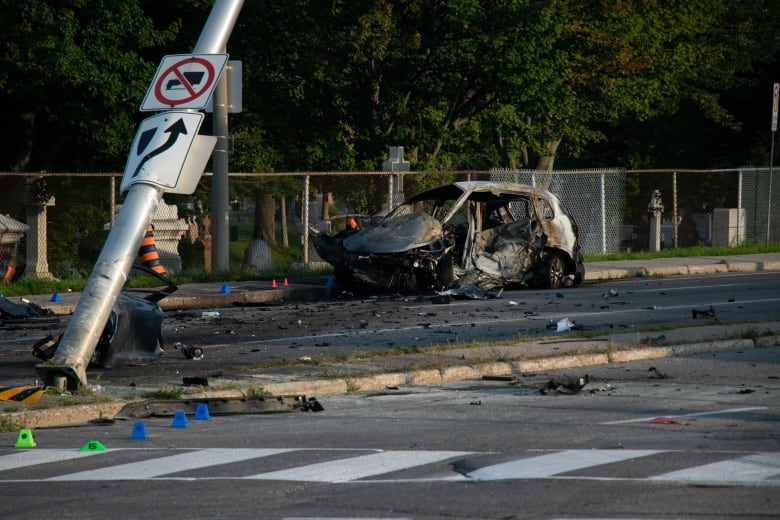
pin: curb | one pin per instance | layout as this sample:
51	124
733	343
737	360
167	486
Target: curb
84	414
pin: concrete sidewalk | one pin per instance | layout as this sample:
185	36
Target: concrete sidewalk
392	371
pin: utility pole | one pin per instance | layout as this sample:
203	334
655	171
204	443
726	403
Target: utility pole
145	182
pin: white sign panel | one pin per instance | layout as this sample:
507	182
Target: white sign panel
160	149
184	81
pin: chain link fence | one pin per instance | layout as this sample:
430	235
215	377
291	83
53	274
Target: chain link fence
55	224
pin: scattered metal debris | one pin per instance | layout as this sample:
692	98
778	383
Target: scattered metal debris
564	384
220	406
189	351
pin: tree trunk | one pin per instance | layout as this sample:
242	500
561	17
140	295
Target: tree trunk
264	218
283	217
545	163
507	158
327	201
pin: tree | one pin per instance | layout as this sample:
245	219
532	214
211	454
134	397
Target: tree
451	79
72	74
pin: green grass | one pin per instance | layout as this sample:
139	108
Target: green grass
745	249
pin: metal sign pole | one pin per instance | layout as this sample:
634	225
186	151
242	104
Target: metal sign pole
775	95
78	343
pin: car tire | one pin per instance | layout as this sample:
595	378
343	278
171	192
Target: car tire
554	270
445	273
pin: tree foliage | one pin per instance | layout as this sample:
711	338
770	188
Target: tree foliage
330	85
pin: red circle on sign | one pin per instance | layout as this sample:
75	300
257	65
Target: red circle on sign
175	69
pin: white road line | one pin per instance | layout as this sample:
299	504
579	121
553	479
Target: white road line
32	457
171	464
696	414
751	468
555	463
345	470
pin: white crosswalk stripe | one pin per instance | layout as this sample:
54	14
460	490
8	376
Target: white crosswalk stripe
57	465
552	464
363	466
173	464
22	459
751	468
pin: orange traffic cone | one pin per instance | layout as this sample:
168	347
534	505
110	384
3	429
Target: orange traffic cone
285	284
273	283
148	255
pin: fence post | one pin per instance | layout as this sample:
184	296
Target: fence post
674	210
739	208
603	216
389	192
305	218
112	200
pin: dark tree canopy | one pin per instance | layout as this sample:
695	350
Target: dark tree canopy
459	83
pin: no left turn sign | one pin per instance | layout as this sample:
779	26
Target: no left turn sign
184	81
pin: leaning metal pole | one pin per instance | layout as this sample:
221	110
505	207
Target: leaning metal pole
69	364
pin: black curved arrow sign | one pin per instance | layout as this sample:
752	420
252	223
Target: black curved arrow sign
175	130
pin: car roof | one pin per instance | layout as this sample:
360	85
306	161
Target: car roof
455	190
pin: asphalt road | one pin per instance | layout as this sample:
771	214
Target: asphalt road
700	443
294	337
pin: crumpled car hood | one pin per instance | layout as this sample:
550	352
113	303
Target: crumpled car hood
396	235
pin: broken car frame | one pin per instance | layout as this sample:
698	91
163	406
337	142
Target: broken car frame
474	233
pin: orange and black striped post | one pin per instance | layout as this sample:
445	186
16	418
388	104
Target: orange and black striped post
148	255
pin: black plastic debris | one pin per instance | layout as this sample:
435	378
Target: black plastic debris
311	404
706	313
24	314
657	373
133	332
195	381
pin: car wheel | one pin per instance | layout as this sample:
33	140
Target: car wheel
555	270
445	272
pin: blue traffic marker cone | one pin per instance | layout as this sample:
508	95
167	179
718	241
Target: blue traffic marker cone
225	289
56	298
202	412
331	282
179	420
139	432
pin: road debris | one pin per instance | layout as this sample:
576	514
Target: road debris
189	351
564	384
564	325
657	373
25	314
706	313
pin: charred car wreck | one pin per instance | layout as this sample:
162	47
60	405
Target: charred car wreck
485	234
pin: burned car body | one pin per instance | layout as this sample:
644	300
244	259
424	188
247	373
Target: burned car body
486	234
